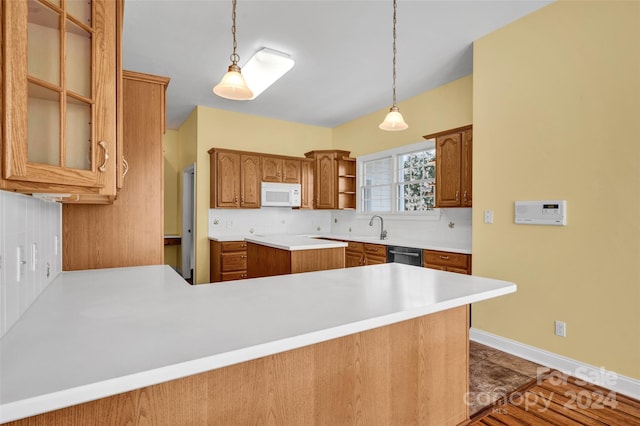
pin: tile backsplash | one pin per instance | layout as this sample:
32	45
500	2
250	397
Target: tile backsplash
30	252
451	225
268	220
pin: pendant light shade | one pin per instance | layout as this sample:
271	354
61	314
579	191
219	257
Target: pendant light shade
232	86
394	120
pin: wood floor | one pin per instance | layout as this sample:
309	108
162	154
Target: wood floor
558	399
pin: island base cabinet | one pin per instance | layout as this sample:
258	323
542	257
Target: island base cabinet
263	261
413	372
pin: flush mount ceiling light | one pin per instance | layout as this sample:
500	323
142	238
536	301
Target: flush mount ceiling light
265	68
394	121
232	85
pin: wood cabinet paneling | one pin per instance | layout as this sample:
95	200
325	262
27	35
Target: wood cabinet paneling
266	261
454	156
334	179
228	260
307	183
411	373
235	179
447	261
59	106
129	232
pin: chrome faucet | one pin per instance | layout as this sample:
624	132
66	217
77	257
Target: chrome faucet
383	233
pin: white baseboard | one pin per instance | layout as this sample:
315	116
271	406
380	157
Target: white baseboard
599	376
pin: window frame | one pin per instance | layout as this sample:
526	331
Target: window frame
394	153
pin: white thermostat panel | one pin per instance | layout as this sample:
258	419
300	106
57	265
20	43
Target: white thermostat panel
547	212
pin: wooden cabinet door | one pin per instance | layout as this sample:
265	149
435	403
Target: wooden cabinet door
352	259
250	181
448	160
271	169
59	126
326	182
466	169
291	171
374	260
306	180
227	179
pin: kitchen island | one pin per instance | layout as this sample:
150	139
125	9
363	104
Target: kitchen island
289	254
383	344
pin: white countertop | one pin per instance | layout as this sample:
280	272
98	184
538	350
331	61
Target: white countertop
454	247
93	334
294	242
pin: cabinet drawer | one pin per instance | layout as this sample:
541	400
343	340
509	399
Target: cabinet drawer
229	276
376	249
354	246
443	258
233	246
234	261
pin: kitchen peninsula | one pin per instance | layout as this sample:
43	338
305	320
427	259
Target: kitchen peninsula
287	254
382	344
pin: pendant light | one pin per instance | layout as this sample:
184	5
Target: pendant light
232	85
394	121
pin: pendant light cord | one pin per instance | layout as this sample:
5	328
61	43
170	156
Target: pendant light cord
234	56
395	10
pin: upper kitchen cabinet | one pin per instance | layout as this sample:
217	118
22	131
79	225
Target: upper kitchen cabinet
59	106
130	231
454	151
280	169
306	182
334	179
235	179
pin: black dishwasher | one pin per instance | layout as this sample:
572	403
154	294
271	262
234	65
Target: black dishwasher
406	255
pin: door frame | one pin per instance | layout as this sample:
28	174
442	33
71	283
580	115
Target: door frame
188	220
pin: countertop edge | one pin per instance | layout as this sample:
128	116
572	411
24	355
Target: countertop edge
61	399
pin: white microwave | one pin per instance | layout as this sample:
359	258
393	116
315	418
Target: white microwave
280	194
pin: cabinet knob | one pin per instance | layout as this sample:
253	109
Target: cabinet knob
244	256
444	257
465	196
457	195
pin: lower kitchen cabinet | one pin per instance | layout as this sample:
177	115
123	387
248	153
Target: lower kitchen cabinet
361	254
447	261
129	232
228	260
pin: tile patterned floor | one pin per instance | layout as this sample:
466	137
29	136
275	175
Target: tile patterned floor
494	374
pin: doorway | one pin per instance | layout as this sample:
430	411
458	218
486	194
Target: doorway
188	221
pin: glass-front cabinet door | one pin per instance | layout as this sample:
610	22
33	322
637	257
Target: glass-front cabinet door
60	92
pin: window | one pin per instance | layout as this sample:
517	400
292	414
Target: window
401	180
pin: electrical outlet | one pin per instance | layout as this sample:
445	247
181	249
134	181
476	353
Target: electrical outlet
488	216
561	329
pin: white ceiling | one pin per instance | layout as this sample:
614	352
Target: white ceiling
342	50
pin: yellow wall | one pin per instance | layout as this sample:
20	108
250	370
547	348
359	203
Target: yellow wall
556	101
225	129
445	107
171	177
